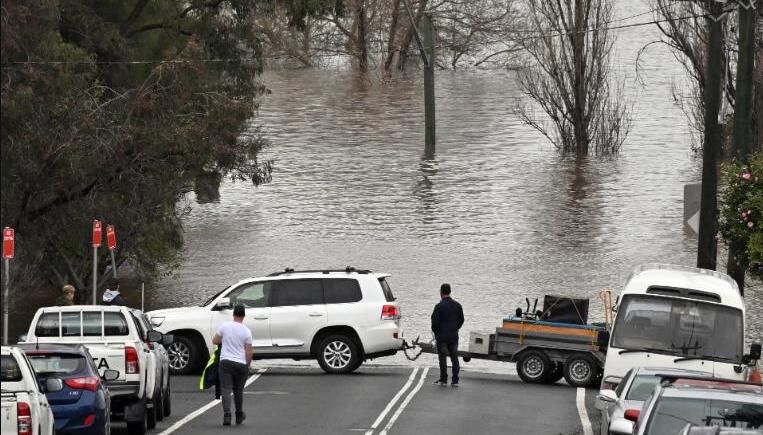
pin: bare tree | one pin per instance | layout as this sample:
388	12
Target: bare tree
567	75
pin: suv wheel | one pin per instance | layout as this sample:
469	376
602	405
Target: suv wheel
183	354
338	354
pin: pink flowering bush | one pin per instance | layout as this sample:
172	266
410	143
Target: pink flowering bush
742	209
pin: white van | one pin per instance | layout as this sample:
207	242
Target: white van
676	316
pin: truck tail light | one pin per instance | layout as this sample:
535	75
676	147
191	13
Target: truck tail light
84	383
24	416
131	361
390	312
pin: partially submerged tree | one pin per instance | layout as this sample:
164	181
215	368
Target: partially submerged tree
567	75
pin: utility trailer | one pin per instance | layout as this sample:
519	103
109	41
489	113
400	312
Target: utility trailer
546	345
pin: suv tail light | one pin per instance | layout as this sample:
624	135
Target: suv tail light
131	361
84	383
24	416
390	312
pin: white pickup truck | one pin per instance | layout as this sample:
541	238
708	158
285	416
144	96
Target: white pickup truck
119	339
25	409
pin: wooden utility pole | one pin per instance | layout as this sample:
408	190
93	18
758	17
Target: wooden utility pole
707	245
742	136
429	114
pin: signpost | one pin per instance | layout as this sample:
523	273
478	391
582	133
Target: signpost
8	248
111	242
97	236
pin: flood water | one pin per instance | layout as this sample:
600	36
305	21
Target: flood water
496	212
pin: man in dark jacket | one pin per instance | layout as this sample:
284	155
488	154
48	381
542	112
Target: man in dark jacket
447	319
112	296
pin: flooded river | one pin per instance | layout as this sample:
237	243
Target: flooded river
495	211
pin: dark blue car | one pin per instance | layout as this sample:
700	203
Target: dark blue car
83	406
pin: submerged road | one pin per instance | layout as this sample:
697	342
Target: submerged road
382	400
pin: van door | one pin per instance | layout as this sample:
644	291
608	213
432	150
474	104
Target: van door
298	312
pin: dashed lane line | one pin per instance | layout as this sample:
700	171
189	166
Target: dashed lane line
180	423
584	420
392	402
405	402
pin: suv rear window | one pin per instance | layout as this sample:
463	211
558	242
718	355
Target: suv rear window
47	325
9	370
387	291
298	292
114	324
342	290
57	364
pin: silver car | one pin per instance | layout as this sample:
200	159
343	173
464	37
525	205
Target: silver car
630	393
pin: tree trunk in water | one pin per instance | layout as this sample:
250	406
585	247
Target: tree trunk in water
406	43
391	48
362	39
578	54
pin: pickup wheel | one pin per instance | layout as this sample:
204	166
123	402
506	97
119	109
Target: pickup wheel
580	370
168	399
534	366
184	355
139	427
159	403
151	416
338	354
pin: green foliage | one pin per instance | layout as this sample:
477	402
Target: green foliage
742	209
87	132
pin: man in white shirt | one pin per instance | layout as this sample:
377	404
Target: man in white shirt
235	340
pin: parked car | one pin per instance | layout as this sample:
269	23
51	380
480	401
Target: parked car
717	430
636	386
676	403
25	409
83	406
160	362
113	336
339	317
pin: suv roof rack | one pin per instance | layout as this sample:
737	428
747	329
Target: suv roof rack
348	269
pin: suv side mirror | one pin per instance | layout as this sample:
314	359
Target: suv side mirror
605	398
224	304
154	336
53	385
110	375
167	339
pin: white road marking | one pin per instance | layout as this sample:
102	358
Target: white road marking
178	424
406	401
584	420
392	402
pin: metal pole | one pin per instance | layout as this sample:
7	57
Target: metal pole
707	246
142	293
95	275
429	112
5	301
113	264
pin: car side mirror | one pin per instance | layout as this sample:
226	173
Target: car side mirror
110	375
621	426
223	304
167	339
605	398
154	336
755	351
53	385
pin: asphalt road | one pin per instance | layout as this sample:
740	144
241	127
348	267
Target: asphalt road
381	400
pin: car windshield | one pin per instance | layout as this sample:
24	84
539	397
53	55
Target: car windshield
56	364
641	387
672	414
213	297
679	327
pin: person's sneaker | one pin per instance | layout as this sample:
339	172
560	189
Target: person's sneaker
440	382
240	417
454	384
226	419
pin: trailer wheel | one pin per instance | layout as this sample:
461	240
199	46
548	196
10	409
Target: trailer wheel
556	373
534	366
580	370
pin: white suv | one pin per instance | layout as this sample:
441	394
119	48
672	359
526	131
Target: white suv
339	317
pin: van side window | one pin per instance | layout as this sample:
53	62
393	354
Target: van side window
252	295
92	323
47	325
338	291
71	324
114	324
291	292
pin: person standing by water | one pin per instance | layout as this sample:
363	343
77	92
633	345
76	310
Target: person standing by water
447	319
112	296
235	356
67	295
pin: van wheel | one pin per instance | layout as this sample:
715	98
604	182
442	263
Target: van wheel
184	355
338	354
580	370
168	399
534	366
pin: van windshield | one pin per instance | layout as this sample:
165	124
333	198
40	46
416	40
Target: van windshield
680	327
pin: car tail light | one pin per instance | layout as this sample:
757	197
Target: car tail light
131	360
632	414
84	383
390	312
24	416
90	419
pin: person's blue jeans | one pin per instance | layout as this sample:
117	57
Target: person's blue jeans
443	349
232	379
